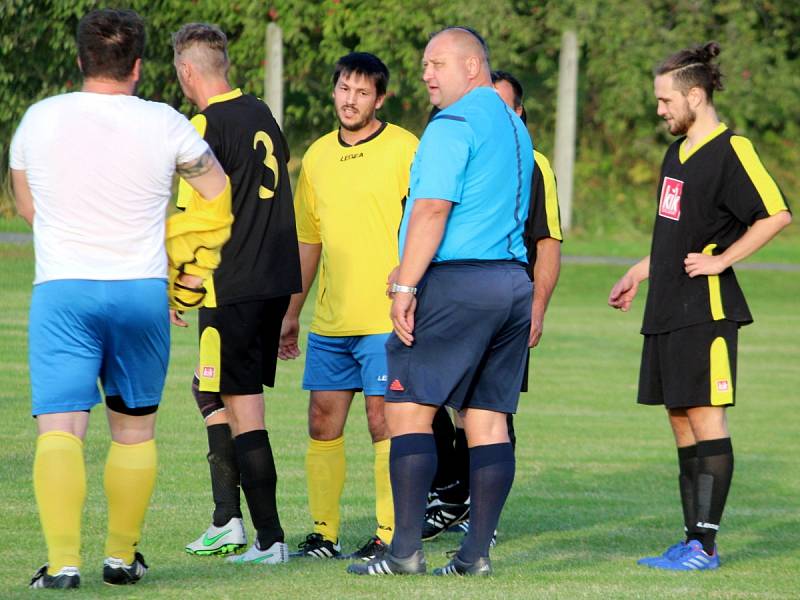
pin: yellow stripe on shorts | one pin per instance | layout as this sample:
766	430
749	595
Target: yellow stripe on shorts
721	380
210	360
714	293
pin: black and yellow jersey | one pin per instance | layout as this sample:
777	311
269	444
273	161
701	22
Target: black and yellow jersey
260	260
706	199
350	199
544	217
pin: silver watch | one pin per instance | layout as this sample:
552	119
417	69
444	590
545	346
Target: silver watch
407	289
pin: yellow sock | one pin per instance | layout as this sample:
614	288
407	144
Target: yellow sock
59	482
384	505
325	471
129	479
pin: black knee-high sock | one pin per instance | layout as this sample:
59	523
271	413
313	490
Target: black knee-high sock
491	475
687	463
459	492
259	479
444	433
224	474
714	474
412	465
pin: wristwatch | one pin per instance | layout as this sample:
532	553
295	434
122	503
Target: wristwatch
407	289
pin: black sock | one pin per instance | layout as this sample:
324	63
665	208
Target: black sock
412	465
491	475
714	474
687	463
259	479
224	474
458	493
444	433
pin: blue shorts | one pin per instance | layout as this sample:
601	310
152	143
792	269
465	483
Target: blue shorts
355	362
471	329
84	330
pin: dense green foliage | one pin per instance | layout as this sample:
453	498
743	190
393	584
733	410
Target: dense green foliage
620	138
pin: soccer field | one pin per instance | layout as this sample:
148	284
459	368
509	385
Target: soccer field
596	484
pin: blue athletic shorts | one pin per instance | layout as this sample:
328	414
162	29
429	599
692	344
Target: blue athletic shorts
472	324
346	363
84	330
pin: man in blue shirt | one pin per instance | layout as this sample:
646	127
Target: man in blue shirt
461	301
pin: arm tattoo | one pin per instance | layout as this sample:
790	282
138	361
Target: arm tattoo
195	168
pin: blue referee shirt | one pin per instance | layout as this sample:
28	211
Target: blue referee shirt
478	155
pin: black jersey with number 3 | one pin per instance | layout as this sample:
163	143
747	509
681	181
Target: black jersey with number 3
707	198
260	260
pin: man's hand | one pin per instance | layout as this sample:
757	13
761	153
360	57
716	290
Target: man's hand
186	291
623	293
537	326
403	306
696	264
175	318
290	331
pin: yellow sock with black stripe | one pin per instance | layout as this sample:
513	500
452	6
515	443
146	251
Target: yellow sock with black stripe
325	471
130	476
59	483
384	504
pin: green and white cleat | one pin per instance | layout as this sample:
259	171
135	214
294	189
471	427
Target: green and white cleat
274	555
229	538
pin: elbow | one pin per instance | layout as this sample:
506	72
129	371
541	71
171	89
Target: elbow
785	218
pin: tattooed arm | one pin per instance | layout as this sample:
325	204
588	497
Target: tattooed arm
204	174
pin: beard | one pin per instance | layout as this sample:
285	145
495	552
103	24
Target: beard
358	125
680	125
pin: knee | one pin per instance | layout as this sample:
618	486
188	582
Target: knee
209	403
322	424
376	422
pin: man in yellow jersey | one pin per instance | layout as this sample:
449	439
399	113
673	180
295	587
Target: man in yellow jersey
716	206
247	297
349	204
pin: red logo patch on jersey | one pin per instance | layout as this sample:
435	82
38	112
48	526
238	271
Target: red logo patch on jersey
722	385
670	204
396	386
208	372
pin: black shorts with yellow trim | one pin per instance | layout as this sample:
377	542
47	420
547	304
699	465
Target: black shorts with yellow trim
239	346
689	367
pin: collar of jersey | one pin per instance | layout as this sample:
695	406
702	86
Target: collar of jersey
683	155
226	96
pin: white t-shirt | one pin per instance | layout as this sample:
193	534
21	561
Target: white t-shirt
100	168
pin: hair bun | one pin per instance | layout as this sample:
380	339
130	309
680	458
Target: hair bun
709	51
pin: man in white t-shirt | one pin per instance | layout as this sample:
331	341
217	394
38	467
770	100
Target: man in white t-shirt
92	172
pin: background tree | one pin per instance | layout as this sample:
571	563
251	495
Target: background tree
620	139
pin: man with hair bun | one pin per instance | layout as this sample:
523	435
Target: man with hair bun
716	205
240	321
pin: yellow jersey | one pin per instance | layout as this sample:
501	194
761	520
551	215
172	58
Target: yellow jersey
350	199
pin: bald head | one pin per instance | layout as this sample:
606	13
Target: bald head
467	41
455	62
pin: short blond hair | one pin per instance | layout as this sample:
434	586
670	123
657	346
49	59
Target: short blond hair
207	44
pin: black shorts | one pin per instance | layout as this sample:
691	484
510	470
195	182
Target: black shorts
239	346
692	366
472	324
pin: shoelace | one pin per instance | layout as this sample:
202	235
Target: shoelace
312	539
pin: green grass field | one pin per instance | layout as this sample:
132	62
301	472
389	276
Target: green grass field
596	484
